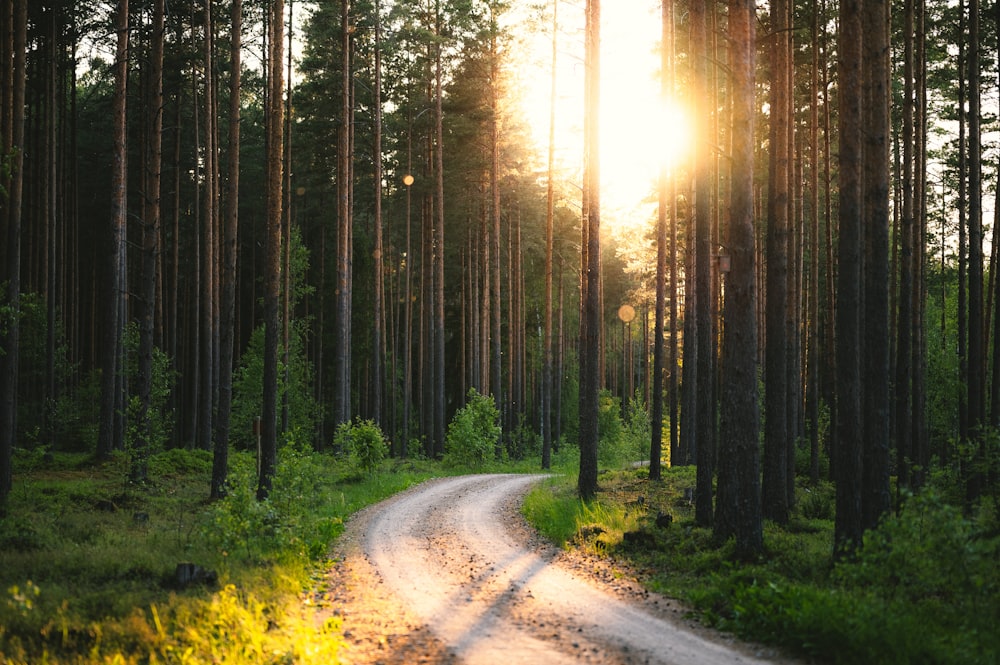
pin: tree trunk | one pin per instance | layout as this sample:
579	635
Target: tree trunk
550	198
267	461
220	462
150	240
848	520
108	436
438	394
378	323
705	407
875	358
656	410
210	223
12	108
813	343
342	389
776	380
904	328
738	509
590	342
977	346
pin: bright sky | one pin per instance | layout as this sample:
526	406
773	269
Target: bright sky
635	130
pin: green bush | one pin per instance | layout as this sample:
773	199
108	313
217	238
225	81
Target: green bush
637	429
473	433
611	440
364	442
248	388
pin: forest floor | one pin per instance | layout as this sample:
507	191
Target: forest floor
450	572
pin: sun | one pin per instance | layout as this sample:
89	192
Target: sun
640	131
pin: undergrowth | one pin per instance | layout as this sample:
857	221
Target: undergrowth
87	569
925	587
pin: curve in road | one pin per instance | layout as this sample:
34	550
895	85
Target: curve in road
447	550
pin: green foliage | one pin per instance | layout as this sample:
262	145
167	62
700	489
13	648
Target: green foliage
473	433
610	443
88	573
36	423
248	388
524	441
285	523
925	587
553	508
638	430
365	443
159	416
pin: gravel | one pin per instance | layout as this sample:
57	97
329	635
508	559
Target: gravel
450	572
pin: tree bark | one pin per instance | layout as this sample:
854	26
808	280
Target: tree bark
111	345
220	461
590	342
342	389
13	136
848	520
550	199
738	509
150	240
875	464
776	379
977	346
267	462
705	406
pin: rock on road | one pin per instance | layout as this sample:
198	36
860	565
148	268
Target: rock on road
453	554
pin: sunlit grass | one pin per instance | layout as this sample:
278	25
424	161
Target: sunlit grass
87	562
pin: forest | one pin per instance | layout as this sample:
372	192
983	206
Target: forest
261	229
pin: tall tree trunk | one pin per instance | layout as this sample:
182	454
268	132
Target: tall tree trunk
875	357
904	328
962	332
776	379
496	344
14	42
977	346
150	239
378	323
267	462
210	223
342	389
220	462
408	297
111	344
590	342
815	334
656	410
848	525
438	395
738	510
705	407
550	201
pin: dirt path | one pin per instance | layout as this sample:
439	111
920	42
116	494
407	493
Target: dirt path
448	572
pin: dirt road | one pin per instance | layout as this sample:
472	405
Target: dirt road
448	572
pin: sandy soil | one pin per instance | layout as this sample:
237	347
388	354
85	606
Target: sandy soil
449	572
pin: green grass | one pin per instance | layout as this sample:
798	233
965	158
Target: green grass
924	589
87	562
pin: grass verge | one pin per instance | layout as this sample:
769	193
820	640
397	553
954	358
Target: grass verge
88	562
924	589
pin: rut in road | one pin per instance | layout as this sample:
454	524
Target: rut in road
446	549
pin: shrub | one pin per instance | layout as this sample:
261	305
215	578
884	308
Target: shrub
248	387
473	433
364	442
610	444
638	431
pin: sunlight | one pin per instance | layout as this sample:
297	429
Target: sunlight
640	132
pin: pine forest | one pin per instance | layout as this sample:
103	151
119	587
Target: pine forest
739	258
